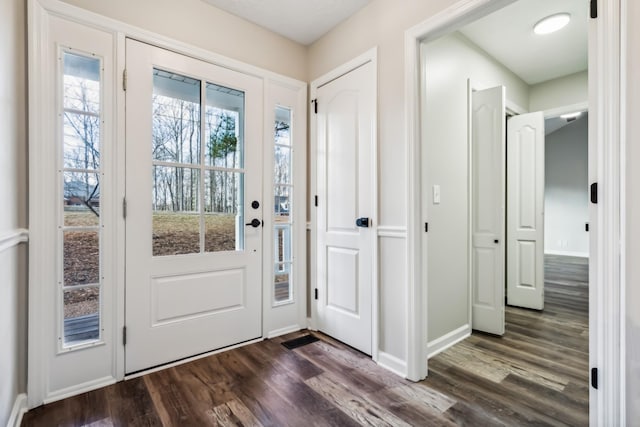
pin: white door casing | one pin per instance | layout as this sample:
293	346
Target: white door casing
183	305
525	210
488	209
345	183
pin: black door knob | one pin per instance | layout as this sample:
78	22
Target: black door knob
362	222
255	223
496	241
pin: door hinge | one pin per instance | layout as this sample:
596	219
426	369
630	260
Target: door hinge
316	201
124	335
594	9
594	193
124	208
315	105
426	227
594	378
316	293
124	79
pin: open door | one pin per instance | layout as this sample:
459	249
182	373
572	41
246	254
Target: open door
487	209
525	211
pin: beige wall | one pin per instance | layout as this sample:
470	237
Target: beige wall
560	92
448	62
383	23
197	23
13	184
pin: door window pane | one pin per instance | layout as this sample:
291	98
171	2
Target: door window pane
176	118
224	120
81	83
81	314
282	165
81	141
224	201
176	213
282	202
81	258
81	199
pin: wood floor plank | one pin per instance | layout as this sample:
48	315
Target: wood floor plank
361	409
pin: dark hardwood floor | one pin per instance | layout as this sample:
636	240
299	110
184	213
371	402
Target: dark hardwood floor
536	374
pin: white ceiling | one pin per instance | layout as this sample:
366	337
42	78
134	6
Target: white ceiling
507	35
303	21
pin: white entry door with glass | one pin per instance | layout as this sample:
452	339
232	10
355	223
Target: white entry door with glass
193	206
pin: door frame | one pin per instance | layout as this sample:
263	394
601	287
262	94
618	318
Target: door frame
607	243
370	55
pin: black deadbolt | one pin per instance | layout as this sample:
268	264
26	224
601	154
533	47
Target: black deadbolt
255	204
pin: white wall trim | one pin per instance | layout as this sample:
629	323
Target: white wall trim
392	363
18	411
607	243
370	55
567	253
558	111
448	340
13	238
283	331
396	232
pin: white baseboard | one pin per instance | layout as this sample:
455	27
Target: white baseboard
444	342
392	363
18	411
567	253
283	331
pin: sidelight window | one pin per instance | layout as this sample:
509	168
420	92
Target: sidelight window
81	181
283	208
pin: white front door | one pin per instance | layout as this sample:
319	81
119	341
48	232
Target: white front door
345	175
193	268
525	211
488	209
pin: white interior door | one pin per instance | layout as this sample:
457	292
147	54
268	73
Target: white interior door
525	211
488	209
345	148
193	268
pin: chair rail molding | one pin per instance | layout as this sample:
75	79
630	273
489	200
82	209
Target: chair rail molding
13	238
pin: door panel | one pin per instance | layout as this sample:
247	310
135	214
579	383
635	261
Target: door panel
488	192
525	207
346	124
193	167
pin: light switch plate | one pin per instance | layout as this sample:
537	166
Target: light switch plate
436	194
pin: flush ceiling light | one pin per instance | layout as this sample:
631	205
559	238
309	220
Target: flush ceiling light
551	23
571	115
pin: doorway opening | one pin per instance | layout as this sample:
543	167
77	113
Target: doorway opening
490	53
